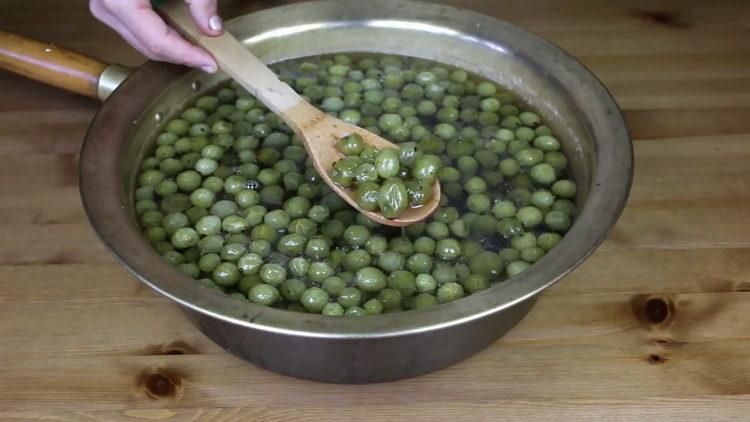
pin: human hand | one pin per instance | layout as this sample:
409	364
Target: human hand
141	27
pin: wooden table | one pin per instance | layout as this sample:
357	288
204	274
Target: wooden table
656	324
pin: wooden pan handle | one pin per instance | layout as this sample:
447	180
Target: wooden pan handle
50	64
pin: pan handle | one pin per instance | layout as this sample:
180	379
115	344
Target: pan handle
59	67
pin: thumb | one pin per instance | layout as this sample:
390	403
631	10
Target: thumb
204	13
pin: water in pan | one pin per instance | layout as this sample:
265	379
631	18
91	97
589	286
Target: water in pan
229	198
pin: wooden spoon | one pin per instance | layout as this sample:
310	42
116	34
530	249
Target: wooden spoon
319	131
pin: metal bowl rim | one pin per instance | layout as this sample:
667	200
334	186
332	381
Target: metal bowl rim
613	173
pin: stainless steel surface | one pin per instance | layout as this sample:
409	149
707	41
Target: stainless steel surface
110	79
390	346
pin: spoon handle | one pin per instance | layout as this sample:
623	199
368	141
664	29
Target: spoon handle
240	64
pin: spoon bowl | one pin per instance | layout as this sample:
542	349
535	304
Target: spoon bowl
319	133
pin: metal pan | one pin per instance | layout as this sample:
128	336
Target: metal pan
392	346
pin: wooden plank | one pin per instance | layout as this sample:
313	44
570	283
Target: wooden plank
656	42
49	207
51	244
681	94
658	271
78	281
710	408
668	200
678	169
690	224
676	123
60	171
667	224
619	16
527	372
563	15
665	170
636	67
660	318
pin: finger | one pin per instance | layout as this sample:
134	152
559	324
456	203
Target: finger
204	14
162	42
96	9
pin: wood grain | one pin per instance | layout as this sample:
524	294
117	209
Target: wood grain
50	64
653	326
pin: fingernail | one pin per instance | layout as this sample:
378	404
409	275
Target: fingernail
214	23
208	68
